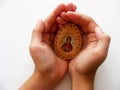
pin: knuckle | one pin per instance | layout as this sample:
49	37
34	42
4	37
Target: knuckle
99	54
37	47
33	47
34	30
89	20
108	38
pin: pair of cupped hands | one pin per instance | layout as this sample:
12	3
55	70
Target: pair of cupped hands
50	68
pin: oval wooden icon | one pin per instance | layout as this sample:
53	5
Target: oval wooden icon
68	42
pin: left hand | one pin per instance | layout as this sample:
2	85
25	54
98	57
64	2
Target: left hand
49	69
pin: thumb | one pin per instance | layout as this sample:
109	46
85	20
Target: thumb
37	32
103	40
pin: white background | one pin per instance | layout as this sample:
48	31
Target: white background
17	20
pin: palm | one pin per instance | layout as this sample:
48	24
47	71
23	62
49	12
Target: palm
86	61
45	59
52	60
46	62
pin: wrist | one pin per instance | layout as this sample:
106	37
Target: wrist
82	82
37	82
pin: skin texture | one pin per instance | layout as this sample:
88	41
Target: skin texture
49	69
83	67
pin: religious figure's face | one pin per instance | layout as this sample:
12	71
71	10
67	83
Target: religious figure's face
68	39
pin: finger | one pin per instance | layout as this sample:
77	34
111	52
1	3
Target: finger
37	32
84	21
70	7
60	25
50	20
103	40
52	17
61	21
64	16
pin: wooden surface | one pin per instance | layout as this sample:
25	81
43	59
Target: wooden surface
68	41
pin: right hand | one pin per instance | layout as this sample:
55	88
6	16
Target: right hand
95	43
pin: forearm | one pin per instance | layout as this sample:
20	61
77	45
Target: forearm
35	82
82	82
